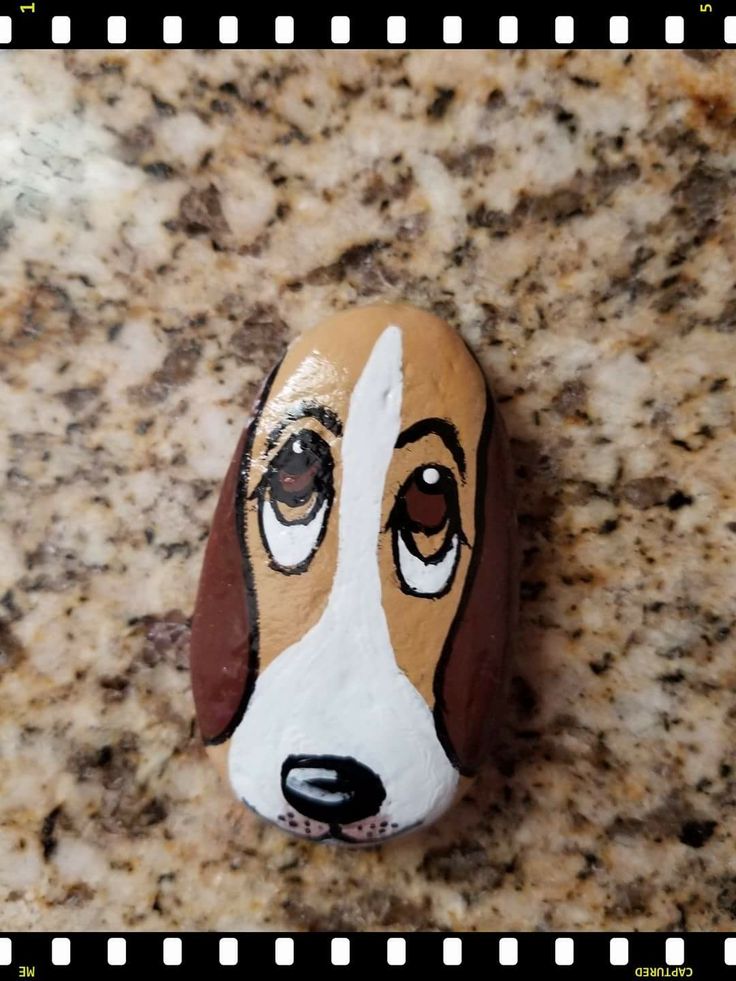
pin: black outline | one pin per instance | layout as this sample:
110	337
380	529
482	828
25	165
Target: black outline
334	832
250	597
398	524
438	427
481	482
361	785
327	497
306	410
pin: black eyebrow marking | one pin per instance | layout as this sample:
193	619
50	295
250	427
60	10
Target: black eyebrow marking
440	427
306	410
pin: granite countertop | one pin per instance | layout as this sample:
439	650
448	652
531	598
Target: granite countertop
168	220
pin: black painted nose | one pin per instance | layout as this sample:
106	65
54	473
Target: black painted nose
331	789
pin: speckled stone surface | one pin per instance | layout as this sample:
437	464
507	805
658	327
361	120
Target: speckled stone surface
167	222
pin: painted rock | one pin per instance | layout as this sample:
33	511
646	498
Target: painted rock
352	628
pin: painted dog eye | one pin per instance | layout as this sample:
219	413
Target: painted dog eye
295	496
425	523
425	500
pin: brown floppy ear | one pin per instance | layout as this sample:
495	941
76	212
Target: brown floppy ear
223	654
472	674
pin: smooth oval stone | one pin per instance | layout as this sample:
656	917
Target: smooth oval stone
351	637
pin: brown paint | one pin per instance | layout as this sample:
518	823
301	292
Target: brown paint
223	647
472	677
455	647
220	644
442	380
426	510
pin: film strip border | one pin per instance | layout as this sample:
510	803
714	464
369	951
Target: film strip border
505	24
647	955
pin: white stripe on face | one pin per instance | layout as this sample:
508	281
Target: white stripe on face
371	430
338	691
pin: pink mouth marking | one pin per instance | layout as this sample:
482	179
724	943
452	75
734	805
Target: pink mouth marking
370	831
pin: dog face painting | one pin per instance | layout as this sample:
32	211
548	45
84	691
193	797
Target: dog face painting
350	639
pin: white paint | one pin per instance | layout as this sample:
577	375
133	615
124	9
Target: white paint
299	780
431	475
338	690
290	545
424	578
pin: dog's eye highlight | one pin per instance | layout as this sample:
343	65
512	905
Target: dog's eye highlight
295	495
426	531
426	500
